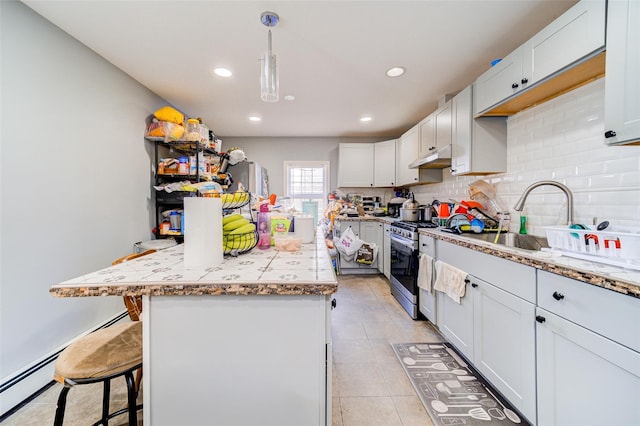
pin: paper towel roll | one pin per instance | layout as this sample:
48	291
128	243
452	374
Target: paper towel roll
202	232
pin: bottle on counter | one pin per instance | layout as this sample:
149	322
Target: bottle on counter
264	227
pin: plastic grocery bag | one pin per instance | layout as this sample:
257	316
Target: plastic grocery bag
348	244
367	253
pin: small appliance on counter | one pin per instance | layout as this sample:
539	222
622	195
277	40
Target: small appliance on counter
370	203
394	206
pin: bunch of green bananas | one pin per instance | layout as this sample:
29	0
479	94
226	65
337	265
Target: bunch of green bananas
237	198
238	233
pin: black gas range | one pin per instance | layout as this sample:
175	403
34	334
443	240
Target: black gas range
404	263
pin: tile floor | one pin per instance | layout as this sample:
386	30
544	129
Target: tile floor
369	386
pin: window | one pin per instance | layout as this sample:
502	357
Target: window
306	183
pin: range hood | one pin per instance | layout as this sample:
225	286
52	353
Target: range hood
438	159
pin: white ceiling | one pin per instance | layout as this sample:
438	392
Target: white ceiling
332	56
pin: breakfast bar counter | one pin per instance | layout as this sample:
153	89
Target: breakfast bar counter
245	342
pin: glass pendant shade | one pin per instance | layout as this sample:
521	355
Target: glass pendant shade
269	78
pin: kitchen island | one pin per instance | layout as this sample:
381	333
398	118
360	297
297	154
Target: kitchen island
244	343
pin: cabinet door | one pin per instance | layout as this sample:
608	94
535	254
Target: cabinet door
407	153
499	82
575	34
427	136
371	232
584	378
355	164
479	145
443	125
455	321
386	249
622	85
384	163
461	137
504	344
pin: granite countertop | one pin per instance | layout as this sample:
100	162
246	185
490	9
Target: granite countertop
621	280
258	272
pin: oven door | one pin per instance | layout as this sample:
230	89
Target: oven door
404	275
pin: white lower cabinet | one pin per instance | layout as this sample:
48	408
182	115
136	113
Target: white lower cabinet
583	378
386	251
588	350
504	344
494	325
367	231
427	301
455	322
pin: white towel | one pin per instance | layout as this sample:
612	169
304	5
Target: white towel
425	271
450	280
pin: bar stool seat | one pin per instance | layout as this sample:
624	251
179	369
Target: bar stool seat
99	357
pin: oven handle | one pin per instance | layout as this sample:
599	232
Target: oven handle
401	242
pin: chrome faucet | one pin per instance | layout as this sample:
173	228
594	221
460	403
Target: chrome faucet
520	204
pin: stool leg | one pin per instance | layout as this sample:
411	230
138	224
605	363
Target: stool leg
105	401
62	403
131	393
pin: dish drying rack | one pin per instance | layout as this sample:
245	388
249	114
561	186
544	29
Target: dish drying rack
619	246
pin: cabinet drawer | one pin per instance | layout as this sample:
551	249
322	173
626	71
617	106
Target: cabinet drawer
427	245
610	314
513	277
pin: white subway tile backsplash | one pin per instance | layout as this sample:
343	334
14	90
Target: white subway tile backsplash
560	140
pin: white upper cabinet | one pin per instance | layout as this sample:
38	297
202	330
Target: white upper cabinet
384	163
427	136
443	125
499	82
563	44
575	34
406	154
622	85
478	145
355	164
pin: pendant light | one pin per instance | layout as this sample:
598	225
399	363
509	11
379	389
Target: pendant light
269	71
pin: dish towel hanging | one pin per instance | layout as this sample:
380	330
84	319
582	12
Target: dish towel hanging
450	280
425	272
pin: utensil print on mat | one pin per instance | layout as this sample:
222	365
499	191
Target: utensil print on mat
476	413
436	366
441	387
511	415
441	407
415	350
496	413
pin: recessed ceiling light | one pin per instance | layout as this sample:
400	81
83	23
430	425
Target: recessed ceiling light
395	72
223	72
366	118
289	98
254	118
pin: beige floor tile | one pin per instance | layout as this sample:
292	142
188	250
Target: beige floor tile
361	380
352	351
348	331
369	412
397	380
411	411
336	413
382	330
382	351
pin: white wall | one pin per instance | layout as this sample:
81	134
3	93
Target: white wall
560	140
75	182
273	152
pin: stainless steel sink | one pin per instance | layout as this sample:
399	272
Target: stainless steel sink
510	239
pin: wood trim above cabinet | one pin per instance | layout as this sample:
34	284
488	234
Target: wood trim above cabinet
590	69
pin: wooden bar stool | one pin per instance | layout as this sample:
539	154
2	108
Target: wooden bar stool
99	357
104	355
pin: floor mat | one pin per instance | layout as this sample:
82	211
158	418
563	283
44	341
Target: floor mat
452	392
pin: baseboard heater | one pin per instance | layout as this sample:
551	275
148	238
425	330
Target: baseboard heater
44	362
